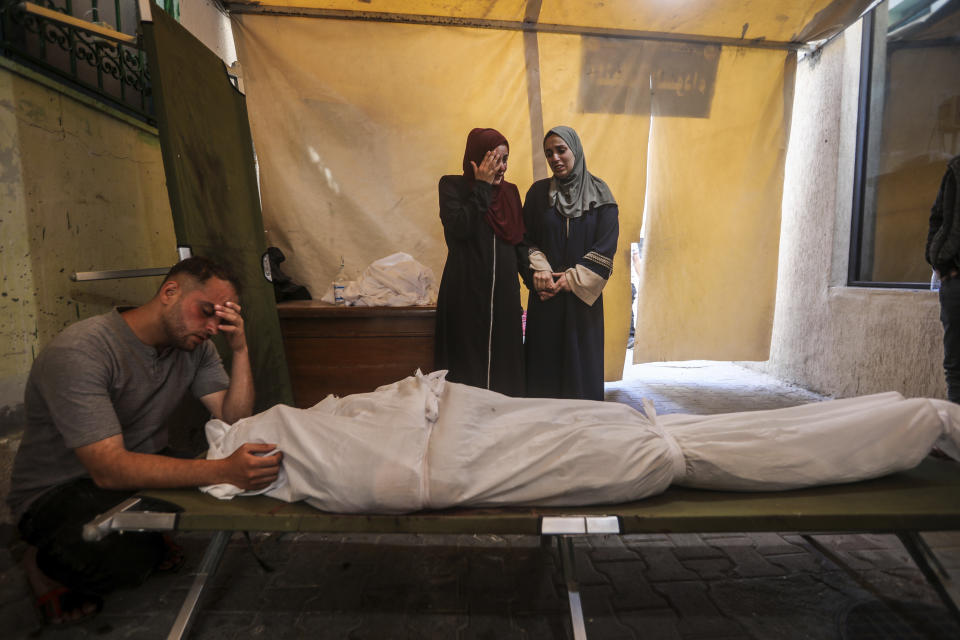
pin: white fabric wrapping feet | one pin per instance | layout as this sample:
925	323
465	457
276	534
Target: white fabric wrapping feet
425	443
822	443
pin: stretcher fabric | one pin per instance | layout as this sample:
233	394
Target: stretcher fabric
425	443
924	498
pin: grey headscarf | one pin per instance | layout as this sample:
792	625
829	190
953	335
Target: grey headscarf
580	190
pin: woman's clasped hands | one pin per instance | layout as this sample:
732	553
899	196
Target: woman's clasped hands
549	284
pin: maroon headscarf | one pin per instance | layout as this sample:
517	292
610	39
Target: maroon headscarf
504	215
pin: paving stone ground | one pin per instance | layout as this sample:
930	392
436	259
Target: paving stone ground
760	586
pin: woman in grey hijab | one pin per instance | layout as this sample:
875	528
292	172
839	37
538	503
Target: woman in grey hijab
572	230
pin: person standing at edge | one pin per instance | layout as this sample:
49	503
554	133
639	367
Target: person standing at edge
572	230
479	337
943	254
96	400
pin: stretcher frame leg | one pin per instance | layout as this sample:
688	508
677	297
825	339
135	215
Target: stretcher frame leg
932	569
567	562
922	555
208	567
565	529
123	517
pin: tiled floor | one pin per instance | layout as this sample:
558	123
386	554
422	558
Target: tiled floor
711	586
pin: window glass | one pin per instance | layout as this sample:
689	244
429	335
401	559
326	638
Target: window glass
909	129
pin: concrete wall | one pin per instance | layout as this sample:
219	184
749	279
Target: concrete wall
211	25
82	189
839	340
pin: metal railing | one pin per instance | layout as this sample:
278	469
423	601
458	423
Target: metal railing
92	47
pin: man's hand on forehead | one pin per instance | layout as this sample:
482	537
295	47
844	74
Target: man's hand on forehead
231	324
228	311
228	296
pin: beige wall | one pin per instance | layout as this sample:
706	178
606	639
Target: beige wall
80	190
839	340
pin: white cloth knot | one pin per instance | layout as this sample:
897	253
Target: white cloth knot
677	462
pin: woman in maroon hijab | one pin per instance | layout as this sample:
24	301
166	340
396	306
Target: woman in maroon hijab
479	337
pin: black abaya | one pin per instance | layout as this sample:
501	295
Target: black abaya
479	336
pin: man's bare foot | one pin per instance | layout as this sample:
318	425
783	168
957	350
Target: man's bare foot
57	603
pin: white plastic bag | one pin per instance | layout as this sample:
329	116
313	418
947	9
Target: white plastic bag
394	281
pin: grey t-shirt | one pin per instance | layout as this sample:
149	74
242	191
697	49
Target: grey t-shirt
96	380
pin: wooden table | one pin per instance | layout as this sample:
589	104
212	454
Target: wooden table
344	350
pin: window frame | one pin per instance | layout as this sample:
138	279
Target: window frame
857	224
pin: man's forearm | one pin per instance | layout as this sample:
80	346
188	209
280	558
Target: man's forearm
130	470
238	403
113	467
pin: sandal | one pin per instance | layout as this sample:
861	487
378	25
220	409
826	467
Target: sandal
173	558
55	605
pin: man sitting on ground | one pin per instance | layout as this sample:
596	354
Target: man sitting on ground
97	399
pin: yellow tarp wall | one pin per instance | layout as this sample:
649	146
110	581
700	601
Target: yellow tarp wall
355	121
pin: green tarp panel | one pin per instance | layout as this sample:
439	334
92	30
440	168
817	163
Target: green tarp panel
209	165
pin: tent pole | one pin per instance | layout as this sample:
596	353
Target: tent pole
508	25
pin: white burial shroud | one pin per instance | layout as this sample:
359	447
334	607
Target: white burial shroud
425	443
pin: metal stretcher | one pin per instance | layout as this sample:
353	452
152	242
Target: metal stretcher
926	498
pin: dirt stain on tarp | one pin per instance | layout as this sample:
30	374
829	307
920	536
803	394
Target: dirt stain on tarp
8	166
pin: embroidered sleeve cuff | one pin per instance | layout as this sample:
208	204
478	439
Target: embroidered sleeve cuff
585	284
603	265
538	261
